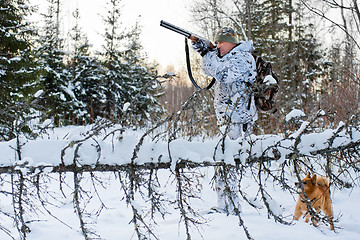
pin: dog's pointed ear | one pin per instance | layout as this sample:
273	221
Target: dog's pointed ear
308	175
314	178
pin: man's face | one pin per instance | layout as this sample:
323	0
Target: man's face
224	47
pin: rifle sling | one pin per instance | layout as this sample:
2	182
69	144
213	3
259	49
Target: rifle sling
188	65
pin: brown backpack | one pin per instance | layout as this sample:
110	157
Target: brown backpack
266	85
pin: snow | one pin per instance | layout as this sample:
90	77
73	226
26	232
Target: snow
15	59
268	80
295	113
114	221
170	74
126	106
38	93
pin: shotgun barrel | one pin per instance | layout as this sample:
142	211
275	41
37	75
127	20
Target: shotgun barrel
185	33
175	29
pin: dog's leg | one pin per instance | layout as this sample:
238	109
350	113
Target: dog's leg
328	209
298	211
313	219
297	216
329	216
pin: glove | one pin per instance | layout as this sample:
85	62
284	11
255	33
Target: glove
201	46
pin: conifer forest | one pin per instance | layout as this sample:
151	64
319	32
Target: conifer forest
109	144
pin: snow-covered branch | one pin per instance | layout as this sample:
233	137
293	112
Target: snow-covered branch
95	151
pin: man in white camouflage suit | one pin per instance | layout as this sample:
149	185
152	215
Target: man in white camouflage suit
234	69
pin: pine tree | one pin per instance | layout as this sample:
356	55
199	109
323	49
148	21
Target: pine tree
128	80
57	98
112	81
18	73
141	87
86	74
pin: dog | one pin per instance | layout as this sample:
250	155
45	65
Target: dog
317	193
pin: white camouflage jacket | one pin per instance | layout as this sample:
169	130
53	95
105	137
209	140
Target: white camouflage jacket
233	73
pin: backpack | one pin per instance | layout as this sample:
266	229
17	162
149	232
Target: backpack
266	85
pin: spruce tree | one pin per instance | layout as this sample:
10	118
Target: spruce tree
141	85
57	98
86	74
18	72
128	81
112	63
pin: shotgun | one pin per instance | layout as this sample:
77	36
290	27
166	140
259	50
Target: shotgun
194	38
187	34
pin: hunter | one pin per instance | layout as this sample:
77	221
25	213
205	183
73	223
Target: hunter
234	69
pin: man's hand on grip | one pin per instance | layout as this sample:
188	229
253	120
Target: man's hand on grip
200	45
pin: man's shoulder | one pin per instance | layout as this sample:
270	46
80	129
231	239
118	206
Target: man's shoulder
238	52
244	47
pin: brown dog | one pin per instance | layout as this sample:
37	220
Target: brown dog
316	190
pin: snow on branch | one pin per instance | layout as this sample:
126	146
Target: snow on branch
103	148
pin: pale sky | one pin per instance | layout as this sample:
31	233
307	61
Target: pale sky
162	45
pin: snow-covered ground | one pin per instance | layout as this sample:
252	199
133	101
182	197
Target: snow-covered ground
114	220
113	223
